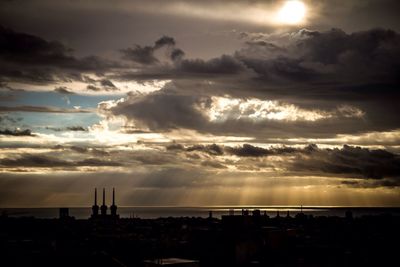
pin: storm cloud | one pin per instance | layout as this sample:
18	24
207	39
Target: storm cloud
308	58
31	160
29	58
173	108
330	69
349	161
145	54
16	132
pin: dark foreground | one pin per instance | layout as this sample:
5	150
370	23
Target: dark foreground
240	240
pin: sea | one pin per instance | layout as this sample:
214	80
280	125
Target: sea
153	212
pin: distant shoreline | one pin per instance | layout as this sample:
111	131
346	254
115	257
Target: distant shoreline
151	212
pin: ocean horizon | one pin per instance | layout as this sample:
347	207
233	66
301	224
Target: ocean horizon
153	212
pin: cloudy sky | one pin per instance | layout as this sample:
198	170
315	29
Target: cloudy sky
191	103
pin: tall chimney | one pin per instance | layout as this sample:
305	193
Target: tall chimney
113	207
113	196
95	208
104	196
103	207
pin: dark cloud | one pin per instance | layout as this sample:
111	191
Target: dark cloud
76	128
26	48
353	161
164	41
309	58
101	85
34	160
63	90
333	63
180	67
247	150
26	57
16	132
29	160
145	54
173	108
329	57
91	87
177	54
348	161
221	65
311	69
68	128
175	147
154	110
139	54
209	149
107	83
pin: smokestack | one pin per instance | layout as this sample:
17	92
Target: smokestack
95	196
103	207
104	196
95	208
113	206
113	201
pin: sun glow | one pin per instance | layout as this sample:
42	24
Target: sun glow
292	12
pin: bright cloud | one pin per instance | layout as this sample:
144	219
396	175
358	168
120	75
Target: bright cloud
224	108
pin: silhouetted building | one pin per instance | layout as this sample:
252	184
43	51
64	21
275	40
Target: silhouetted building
256	213
95	207
113	207
64	213
210	214
103	207
236	240
265	214
349	215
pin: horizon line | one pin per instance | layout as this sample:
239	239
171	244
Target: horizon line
219	207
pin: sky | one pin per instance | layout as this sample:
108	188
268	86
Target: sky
199	103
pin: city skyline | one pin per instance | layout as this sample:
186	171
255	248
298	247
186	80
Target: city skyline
200	103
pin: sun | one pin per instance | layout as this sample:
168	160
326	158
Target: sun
292	12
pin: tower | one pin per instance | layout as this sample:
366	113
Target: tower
113	207
103	207
95	207
64	213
